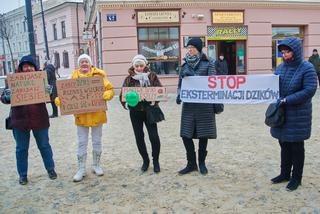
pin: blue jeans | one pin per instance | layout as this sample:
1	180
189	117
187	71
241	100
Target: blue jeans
22	146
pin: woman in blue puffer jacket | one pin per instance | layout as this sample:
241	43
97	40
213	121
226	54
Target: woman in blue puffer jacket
298	84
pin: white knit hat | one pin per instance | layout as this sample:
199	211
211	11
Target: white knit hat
84	56
139	59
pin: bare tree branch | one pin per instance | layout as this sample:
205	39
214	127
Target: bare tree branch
6	33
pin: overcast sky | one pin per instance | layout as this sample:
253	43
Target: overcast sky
8	5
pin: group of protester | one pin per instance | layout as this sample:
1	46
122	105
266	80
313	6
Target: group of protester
298	84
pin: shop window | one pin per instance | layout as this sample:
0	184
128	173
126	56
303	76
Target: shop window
161	47
65	59
278	34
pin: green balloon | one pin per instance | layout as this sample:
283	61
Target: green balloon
132	98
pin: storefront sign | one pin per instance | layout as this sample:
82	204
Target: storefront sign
230	17
227	33
28	88
147	93
81	95
232	89
162	16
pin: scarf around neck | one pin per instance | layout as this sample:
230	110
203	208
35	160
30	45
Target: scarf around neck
142	77
193	61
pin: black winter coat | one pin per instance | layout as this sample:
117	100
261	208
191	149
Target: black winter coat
198	119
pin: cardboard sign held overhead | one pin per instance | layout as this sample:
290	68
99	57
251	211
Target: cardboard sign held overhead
82	95
147	93
28	88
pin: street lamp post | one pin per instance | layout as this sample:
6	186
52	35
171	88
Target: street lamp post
44	32
30	28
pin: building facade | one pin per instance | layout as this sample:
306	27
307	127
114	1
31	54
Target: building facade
246	32
18	32
64	22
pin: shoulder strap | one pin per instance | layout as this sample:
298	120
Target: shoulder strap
287	91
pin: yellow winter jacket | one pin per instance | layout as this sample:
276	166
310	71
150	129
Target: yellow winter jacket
94	118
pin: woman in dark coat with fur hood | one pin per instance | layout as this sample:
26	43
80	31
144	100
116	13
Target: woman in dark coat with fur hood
141	76
197	119
298	84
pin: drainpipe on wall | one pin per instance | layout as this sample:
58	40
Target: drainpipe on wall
99	40
78	29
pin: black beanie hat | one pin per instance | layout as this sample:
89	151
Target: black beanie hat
27	60
196	42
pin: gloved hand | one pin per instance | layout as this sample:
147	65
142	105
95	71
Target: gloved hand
282	101
49	89
7	94
178	100
57	101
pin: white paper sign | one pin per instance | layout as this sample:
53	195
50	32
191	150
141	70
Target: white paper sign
231	89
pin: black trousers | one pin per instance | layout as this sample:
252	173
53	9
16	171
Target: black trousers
190	150
54	109
138	118
292	157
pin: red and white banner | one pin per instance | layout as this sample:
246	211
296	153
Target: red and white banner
231	89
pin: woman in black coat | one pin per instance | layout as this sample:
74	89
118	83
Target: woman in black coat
197	119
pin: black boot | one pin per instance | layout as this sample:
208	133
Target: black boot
191	165
202	164
286	164
145	164
156	166
298	163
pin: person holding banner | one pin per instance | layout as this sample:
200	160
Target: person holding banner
197	119
93	120
27	118
140	75
298	84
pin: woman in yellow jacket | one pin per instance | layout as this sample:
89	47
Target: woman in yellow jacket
94	120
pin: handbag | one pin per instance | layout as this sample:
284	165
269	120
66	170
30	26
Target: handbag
8	121
275	115
218	108
154	114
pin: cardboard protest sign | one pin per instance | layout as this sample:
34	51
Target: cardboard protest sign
231	89
147	93
28	88
82	95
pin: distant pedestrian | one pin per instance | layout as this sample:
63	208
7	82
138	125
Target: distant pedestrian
27	118
51	74
87	121
315	60
221	65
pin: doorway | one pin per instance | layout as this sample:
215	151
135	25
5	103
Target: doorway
228	49
233	51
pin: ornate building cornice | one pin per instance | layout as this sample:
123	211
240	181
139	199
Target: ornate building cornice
219	4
